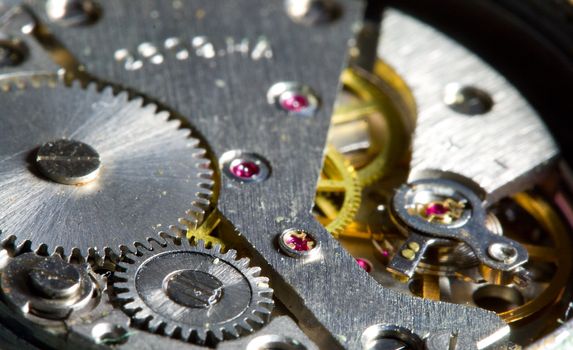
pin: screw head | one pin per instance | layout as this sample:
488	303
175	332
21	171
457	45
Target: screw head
54	278
502	252
192	288
245	167
294	98
68	162
298	243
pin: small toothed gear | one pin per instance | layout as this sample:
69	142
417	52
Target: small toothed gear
339	177
190	292
91	171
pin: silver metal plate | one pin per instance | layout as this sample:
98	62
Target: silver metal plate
502	151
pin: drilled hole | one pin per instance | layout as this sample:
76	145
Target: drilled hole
390	337
109	334
468	100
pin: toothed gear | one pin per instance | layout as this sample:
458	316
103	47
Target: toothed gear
190	292
152	173
339	177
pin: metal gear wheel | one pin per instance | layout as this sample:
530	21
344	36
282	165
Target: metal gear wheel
190	292
383	101
338	177
88	171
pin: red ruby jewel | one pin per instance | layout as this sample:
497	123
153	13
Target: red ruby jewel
245	169
364	264
300	243
436	209
295	103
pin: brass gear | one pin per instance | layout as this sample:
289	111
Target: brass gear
386	104
338	177
205	231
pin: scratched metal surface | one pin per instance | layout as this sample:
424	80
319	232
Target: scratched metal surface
220	88
503	151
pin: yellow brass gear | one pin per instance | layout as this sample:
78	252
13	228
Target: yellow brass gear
558	254
205	231
381	95
338	178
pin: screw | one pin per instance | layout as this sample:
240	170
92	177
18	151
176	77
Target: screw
191	288
245	167
294	98
502	252
298	243
12	53
55	279
68	162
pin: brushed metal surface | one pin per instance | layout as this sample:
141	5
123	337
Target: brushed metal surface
503	150
152	173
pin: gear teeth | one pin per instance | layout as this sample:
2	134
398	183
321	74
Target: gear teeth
121	286
217	249
201	244
131	306
266	301
254	271
166	239
231	254
171	330
91	89
165	116
266	313
262	280
42	250
191	223
154	325
243	262
246	326
233	331
199	336
336	165
174	124
178	231
216	334
256	319
257	313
